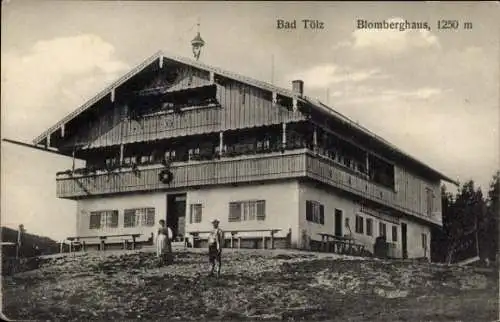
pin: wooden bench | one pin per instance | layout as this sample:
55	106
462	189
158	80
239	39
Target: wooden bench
234	236
341	245
77	241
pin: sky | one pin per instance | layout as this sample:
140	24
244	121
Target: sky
433	93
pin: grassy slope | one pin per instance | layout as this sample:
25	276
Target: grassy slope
255	285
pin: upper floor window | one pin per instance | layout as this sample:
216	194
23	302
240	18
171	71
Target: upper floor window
247	210
315	212
104	218
139	217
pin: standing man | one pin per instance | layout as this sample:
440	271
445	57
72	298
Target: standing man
215	241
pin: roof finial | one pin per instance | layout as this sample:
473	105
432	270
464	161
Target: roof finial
197	43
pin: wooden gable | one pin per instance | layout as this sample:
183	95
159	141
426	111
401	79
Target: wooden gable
131	117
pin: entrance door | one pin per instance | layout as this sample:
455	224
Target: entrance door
404	242
176	214
338	222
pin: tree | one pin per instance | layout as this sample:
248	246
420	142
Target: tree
466	218
489	236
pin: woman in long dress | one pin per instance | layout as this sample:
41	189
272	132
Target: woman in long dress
162	243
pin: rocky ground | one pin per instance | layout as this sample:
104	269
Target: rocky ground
255	285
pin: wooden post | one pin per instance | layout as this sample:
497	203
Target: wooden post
221	142
263	242
83	246
272	239
367	164
121	153
283	136
61	246
315	139
232	239
239	242
73	156
102	246
19	241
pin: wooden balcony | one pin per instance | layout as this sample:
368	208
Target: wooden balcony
299	163
241	169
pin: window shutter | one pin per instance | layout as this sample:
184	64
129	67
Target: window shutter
261	210
129	218
191	214
95	221
150	217
113	221
322	214
234	211
308	210
199	212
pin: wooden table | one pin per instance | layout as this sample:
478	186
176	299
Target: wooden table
102	239
341	244
234	232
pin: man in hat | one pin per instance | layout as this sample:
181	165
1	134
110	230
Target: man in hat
215	241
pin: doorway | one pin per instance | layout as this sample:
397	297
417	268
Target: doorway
176	214
338	222
404	241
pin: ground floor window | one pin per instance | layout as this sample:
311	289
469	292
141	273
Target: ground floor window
359	225
103	218
315	212
247	210
195	212
369	227
382	229
394	233
424	241
139	217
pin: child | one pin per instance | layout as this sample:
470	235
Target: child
215	240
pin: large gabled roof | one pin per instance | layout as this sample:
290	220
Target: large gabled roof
243	79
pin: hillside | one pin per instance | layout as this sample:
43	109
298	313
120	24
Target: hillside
45	244
273	285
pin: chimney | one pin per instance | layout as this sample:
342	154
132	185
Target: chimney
298	87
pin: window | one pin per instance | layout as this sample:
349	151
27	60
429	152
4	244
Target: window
247	210
105	218
315	212
359	224
424	241
369	227
139	217
430	201
95	221
195	213
394	233
382	229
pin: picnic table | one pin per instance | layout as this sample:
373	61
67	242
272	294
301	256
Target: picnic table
234	233
340	244
75	241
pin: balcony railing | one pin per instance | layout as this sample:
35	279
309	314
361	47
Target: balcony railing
299	163
185	174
